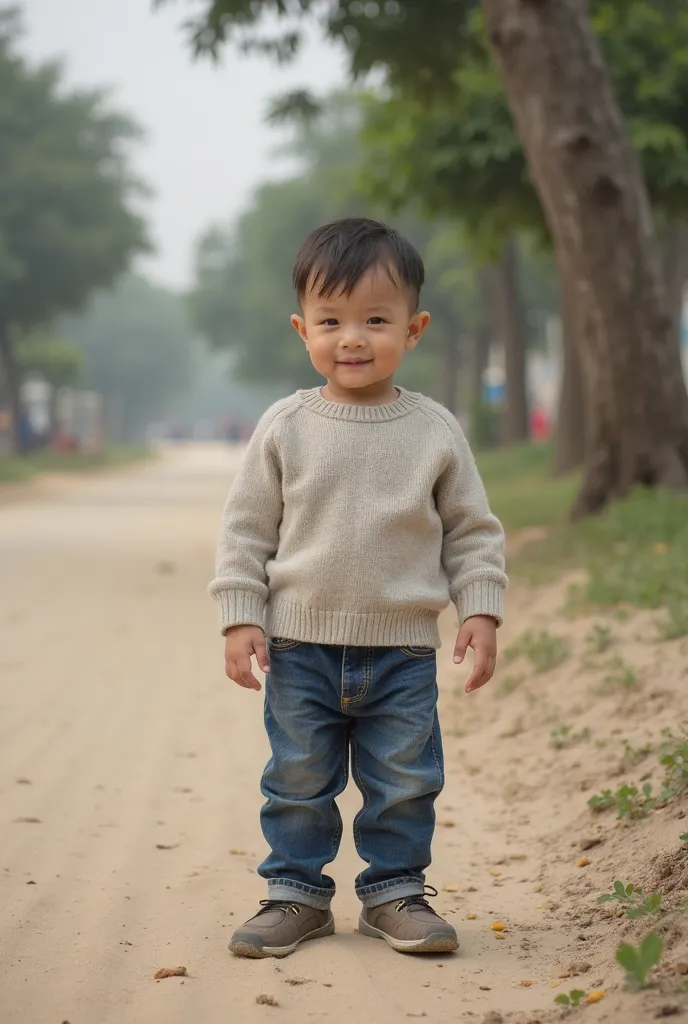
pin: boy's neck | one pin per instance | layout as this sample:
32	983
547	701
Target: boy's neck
381	393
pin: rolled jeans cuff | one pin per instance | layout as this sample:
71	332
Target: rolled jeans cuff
385	892
297	892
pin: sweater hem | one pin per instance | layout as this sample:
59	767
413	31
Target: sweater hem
416	627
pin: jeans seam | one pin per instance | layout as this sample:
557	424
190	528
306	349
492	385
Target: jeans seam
367	676
438	765
361	785
409	652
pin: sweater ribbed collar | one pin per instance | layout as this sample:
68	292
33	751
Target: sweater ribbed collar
313	399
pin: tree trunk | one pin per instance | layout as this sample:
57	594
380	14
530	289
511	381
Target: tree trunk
450	372
569	439
508	306
592	192
12	385
675	266
480	349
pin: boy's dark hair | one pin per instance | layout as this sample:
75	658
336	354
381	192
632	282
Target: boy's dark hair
336	256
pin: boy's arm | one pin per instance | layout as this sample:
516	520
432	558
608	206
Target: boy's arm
473	544
249	533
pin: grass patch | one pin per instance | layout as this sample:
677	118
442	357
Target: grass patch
14	469
543	650
635	553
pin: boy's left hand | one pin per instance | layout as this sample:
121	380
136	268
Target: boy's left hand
480	633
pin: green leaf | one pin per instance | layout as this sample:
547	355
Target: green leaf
562	1000
607	898
577	994
684	837
630	888
651	950
619	887
628	958
654	901
635	913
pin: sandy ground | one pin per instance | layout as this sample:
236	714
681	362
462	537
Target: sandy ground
129	772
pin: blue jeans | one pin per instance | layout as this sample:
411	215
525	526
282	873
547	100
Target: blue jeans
377	706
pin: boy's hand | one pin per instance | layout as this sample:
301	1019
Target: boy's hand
480	633
241	643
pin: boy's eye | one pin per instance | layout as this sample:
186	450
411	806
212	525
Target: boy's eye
330	322
375	320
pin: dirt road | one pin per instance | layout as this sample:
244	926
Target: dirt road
129	772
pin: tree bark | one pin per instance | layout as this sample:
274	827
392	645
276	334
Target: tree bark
516	426
569	438
12	385
588	179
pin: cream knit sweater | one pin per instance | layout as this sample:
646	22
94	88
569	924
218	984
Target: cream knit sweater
355	524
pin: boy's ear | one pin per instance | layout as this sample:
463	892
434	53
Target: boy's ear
299	325
416	329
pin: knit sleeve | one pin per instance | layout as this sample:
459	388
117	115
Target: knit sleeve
473	542
249	531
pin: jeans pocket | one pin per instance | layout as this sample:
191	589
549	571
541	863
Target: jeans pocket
280	643
418	652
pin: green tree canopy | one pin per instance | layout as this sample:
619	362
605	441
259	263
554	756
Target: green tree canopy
67	223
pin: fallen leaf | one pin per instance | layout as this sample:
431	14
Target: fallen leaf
525	983
594	997
31	883
451	888
582	863
485	988
446	822
495	874
474	917
27	821
264	1000
500	936
170	972
564	974
166	846
238	853
497	926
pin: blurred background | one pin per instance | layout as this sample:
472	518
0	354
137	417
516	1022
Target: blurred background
152	199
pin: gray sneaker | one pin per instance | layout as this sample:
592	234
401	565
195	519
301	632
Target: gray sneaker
409	925
278	928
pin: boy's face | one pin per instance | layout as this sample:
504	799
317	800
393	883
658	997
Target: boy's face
357	341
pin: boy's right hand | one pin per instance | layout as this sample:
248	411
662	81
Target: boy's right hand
241	643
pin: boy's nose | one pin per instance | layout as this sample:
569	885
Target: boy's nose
353	338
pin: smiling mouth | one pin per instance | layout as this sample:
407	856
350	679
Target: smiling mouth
354	362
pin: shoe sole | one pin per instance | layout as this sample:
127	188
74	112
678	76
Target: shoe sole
244	947
437	943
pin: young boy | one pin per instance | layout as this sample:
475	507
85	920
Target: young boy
357	514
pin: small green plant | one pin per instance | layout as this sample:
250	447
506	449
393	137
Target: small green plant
542	650
509	684
684	837
619	676
599	639
634	901
675	625
634	755
629	801
573	998
638	962
563	736
674	759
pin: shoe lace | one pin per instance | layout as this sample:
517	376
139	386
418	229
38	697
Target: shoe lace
285	905
419	900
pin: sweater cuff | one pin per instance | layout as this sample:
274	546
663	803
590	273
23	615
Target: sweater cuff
240	608
482	597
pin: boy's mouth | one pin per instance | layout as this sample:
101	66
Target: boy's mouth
354	362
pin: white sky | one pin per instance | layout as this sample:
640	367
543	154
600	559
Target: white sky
207	146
